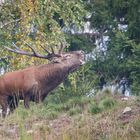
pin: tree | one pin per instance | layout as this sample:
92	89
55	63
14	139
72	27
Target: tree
118	56
37	23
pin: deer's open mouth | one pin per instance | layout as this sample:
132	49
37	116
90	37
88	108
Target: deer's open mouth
82	62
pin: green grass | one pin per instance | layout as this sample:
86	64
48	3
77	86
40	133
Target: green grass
74	111
94	109
86	118
107	103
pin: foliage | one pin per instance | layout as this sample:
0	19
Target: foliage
81	41
119	21
134	65
103	100
94	109
38	23
107	103
45	23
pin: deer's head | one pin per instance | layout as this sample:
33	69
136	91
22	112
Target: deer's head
73	59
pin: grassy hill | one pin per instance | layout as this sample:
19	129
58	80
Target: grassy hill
102	117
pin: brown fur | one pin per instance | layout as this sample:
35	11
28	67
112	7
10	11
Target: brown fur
34	83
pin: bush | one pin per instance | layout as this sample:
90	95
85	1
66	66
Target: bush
107	103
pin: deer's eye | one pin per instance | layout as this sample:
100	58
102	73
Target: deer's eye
68	56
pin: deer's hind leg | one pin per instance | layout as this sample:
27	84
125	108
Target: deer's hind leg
13	102
27	98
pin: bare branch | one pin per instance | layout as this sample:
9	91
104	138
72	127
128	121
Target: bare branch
2	26
4	58
15	46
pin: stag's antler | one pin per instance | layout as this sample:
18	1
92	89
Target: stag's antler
34	53
61	48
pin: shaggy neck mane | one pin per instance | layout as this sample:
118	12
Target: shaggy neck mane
53	71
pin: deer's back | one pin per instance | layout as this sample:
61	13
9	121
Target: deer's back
17	81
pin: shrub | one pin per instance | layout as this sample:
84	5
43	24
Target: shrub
107	103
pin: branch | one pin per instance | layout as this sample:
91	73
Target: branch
2	26
3	58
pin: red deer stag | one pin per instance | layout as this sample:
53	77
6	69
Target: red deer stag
34	83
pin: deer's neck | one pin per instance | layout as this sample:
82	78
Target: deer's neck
52	73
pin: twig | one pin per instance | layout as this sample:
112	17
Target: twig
2	26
